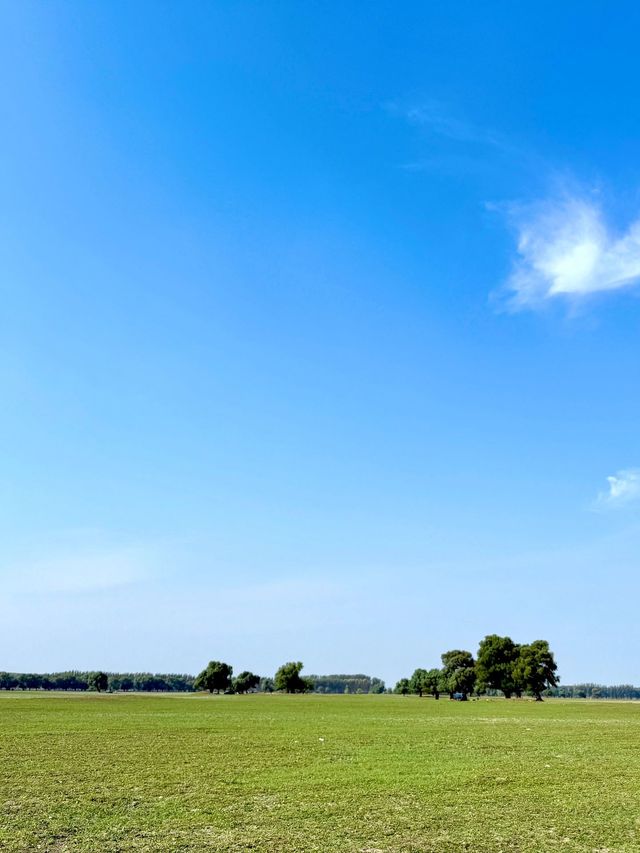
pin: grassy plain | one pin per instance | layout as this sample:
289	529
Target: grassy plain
328	773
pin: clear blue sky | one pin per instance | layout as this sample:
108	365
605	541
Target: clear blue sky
320	334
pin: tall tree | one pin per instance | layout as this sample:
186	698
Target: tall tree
459	672
288	678
216	676
535	669
497	657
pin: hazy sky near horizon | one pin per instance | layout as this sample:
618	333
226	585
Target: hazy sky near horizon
320	334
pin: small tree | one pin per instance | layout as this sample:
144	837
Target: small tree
98	681
535	669
266	685
434	681
216	676
402	687
245	681
289	680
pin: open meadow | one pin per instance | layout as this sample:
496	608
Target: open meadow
90	772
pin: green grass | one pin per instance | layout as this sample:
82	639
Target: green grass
326	773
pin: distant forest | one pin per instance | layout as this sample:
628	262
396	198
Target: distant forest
595	691
113	681
148	682
346	684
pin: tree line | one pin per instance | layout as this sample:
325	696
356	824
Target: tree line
500	666
100	681
219	674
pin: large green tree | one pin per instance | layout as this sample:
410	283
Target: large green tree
289	680
535	668
216	677
495	664
98	681
458	671
245	681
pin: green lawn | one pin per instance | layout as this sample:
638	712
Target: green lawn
329	773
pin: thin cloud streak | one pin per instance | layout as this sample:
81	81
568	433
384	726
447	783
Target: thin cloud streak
566	250
441	122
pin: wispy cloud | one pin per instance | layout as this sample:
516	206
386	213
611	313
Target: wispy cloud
567	250
440	121
624	488
456	146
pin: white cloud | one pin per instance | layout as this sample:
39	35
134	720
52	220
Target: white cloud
567	250
624	487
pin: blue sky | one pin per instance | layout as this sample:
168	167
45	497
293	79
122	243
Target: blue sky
320	334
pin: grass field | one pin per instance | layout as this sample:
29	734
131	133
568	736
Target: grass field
330	773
